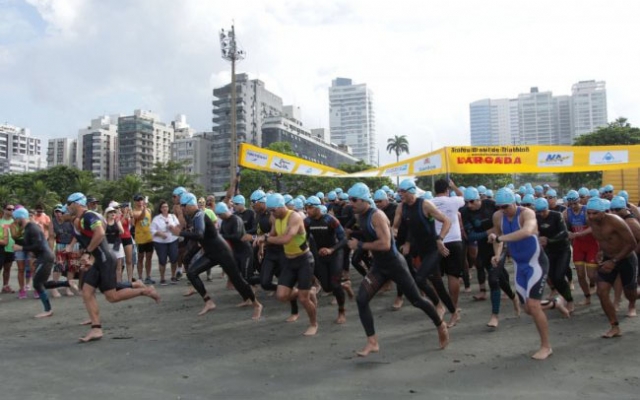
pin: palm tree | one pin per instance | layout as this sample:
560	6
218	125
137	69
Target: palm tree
398	145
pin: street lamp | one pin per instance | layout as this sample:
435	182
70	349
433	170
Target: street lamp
230	52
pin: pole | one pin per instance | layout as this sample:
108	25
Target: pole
234	138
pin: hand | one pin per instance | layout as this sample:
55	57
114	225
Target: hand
17	247
68	249
495	260
261	254
451	184
405	249
607	266
325	251
572	235
247	237
543	241
353	244
442	248
175	230
491	238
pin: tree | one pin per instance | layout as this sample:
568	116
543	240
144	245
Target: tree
398	145
490	181
618	132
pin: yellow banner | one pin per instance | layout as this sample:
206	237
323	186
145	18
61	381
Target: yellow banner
540	159
271	161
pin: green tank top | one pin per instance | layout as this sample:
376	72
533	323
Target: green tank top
9	247
297	245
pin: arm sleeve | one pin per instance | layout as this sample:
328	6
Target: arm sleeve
198	228
252	224
560	230
340	235
32	239
236	230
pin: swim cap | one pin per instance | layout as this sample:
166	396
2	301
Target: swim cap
20	213
238	199
188	199
361	191
380	194
528	199
538	189
320	195
313	201
504	197
343	196
427	195
482	189
221	208
332	195
518	198
596	204
552	193
625	194
572	195
178	191
541	204
408	185
298	204
287	198
608	188
583	191
77	198
594	193
618	202
275	200
489	193
471	194
258	196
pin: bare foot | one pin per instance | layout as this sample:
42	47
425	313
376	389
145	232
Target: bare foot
85	322
467	290
542	354
443	336
311	330
480	297
45	314
138	284
94	334
455	318
632	312
585	302
208	306
493	321
616	304
151	292
397	303
571	307
613	332
516	306
257	311
55	293
334	302
230	286
441	310
292	318
368	348
560	305
245	303
189	292
342	318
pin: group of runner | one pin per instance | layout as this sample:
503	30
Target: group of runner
409	237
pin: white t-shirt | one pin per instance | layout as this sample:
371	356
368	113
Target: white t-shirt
162	224
449	206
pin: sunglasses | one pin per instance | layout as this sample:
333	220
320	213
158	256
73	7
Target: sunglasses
550	197
470	201
256	201
377	201
9	209
526	205
608	192
593	212
402	191
583	197
353	199
271	210
504	206
617	209
70	203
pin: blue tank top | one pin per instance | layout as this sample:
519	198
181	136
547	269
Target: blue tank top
577	222
522	250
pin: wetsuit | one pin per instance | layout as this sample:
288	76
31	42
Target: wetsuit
424	252
476	223
531	263
215	252
558	250
232	230
326	232
34	242
248	217
102	273
387	265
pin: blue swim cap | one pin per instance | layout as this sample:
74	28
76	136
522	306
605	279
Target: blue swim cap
427	195
607	203
608	188
361	191
313	201
320	195
332	195
338	190
221	208
572	195
530	191
625	194
343	196
618	202
188	199
298	204
511	186
301	197
528	199
258	196
275	200
380	194
238	199
471	193
482	189
528	185
596	204
552	193
287	198
323	209
504	197
77	198
538	189
385	188
178	191
583	191
397	197
462	188
408	185
489	193
20	213
541	204
518	198
594	193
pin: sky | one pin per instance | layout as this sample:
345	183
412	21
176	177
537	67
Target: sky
65	62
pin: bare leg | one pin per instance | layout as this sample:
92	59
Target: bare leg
209	305
20	274
163	269
128	261
54	292
91	304
631	295
306	298
610	311
286	294
534	309
147	263
584	285
372	346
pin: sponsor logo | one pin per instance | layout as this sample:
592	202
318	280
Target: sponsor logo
489	160
427	164
558	159
308	170
254	157
609	157
399	170
282	164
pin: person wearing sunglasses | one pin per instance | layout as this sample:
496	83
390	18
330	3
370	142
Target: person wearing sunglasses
388	264
618	258
554	239
607	192
288	231
517	227
552	199
584	245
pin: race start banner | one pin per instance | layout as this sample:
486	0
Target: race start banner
462	160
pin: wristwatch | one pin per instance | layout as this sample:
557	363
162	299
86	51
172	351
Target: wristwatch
497	239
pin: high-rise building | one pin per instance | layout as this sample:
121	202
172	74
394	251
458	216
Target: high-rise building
143	141
588	106
352	118
181	129
196	154
539	117
97	147
305	144
254	103
19	151
62	151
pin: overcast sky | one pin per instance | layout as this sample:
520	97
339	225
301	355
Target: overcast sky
64	62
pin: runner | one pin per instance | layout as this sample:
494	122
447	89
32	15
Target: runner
617	258
288	231
232	230
517	227
65	246
552	199
102	274
388	264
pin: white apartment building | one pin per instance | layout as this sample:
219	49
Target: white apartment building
196	154
588	106
352	118
19	152
62	151
97	147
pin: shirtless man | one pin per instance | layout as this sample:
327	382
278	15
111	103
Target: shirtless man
617	258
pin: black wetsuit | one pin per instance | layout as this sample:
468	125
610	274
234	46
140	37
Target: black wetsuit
387	265
215	252
558	250
232	230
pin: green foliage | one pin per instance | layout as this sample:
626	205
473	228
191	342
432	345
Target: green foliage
491	181
619	132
